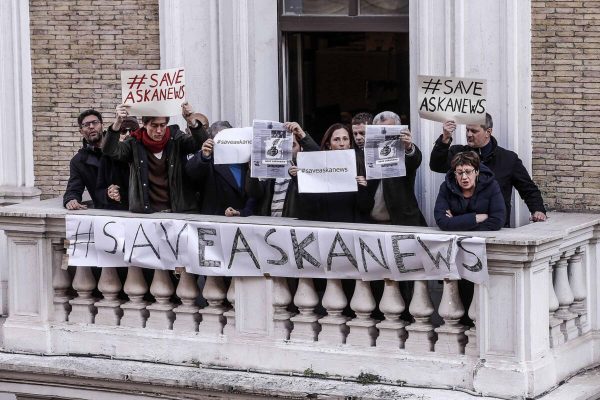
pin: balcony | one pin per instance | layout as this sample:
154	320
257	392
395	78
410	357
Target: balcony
535	324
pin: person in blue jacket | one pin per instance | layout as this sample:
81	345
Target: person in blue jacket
470	198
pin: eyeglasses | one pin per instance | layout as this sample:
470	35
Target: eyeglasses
126	131
467	172
90	124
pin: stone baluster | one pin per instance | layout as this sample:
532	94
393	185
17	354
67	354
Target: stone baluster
282	297
392	332
565	298
82	306
333	326
215	293
186	314
421	335
556	336
61	282
362	328
161	311
472	347
576	274
451	335
134	310
306	327
109	310
229	328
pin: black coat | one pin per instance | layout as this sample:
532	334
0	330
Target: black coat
487	199
183	198
112	172
335	207
399	193
83	173
218	187
506	166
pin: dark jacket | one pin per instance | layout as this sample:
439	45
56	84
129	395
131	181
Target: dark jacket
218	186
487	199
83	173
506	166
263	190
112	172
181	193
335	207
399	193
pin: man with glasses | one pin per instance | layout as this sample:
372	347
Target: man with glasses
84	165
505	164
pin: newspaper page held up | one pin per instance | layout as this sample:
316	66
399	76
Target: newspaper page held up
271	150
384	151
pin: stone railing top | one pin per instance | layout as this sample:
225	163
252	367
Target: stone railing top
558	226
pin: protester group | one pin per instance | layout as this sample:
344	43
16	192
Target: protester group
156	167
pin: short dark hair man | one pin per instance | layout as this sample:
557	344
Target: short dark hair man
505	164
83	168
156	153
359	126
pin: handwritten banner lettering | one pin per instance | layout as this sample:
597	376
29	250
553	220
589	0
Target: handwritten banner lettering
228	249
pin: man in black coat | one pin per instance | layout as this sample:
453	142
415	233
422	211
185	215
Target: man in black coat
84	165
505	164
394	198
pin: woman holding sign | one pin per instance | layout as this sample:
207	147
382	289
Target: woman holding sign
337	206
470	198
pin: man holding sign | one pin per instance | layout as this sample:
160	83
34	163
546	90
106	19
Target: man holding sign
156	153
505	164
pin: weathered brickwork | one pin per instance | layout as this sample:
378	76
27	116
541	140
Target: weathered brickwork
566	102
78	49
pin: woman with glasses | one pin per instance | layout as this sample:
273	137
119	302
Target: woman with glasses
470	198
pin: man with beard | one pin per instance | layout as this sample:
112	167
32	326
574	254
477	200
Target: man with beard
84	165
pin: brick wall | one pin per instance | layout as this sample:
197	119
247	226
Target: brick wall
566	102
78	48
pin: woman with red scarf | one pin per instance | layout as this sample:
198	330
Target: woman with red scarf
156	154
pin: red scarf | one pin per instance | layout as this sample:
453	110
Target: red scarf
152	145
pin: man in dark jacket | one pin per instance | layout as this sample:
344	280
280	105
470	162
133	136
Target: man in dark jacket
505	164
84	165
394	198
156	153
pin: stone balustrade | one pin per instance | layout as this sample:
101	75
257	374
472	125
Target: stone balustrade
533	325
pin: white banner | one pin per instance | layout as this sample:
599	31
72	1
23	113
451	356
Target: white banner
153	93
443	98
232	249
233	146
330	171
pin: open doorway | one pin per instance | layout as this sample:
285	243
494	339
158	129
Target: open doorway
331	76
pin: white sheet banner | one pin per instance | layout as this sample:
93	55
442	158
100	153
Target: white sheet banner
443	98
233	146
330	171
233	249
153	93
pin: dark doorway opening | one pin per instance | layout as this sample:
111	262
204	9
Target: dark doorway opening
332	76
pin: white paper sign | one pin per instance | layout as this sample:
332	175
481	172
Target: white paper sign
384	151
330	171
443	98
82	247
233	146
153	93
271	149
